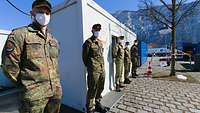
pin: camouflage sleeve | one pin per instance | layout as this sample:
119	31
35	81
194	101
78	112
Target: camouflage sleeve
132	52
11	56
125	53
114	52
85	52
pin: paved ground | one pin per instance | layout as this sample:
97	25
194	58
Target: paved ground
147	95
159	96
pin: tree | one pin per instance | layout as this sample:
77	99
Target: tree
177	12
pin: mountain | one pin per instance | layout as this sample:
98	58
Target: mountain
147	30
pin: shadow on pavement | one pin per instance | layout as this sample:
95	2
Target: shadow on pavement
188	68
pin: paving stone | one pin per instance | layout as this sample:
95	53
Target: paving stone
147	108
170	105
182	108
123	107
188	105
169	98
164	108
157	111
195	103
176	111
141	111
142	103
137	106
154	98
138	98
194	110
175	103
131	109
127	104
181	100
147	100
153	106
195	100
158	102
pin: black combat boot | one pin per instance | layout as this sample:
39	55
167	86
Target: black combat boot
100	108
118	88
133	75
121	85
127	81
91	111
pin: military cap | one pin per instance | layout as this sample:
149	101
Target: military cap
96	27
40	3
121	37
127	43
135	41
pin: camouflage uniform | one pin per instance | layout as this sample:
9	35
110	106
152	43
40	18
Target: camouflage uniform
134	59
92	55
118	54
30	60
127	62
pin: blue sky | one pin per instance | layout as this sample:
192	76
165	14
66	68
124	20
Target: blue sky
10	18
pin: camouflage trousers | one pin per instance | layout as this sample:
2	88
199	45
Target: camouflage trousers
95	82
119	70
46	105
134	65
127	69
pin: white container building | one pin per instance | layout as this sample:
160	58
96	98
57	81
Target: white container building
3	37
71	24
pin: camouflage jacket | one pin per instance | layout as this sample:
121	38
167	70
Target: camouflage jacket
118	52
92	55
134	53
30	59
127	55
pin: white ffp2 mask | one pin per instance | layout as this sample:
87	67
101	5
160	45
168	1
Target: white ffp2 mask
42	18
97	34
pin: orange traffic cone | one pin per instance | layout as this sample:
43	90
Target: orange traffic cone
149	69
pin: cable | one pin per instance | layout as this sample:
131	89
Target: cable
18	8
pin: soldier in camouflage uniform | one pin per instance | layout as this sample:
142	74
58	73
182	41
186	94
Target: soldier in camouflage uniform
30	60
93	59
127	63
118	56
134	59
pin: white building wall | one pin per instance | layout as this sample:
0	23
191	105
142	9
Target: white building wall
3	37
4	81
66	26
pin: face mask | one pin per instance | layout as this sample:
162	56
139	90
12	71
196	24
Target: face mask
96	34
42	18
